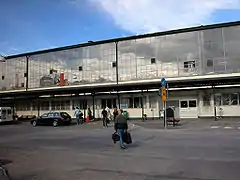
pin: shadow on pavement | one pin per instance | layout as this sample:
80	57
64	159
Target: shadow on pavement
10	123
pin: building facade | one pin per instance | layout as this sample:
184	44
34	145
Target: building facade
201	53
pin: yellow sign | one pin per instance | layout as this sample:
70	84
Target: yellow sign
164	94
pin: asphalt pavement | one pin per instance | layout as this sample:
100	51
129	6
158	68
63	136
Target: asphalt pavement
87	152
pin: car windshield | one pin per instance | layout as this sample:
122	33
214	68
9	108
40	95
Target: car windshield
64	114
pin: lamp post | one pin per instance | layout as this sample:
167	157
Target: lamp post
2	59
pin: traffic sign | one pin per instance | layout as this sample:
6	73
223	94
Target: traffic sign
164	94
163	82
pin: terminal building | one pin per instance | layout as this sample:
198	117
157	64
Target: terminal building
201	65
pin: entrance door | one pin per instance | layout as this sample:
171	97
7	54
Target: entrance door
188	108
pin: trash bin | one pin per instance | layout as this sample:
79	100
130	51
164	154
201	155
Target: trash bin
125	114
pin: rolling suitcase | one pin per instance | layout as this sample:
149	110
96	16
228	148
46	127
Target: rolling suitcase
127	138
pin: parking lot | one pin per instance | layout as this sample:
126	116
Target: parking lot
87	152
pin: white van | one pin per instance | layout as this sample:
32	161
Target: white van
6	114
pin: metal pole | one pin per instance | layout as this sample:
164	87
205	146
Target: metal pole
143	118
165	114
93	96
119	101
27	67
84	107
116	43
38	106
214	103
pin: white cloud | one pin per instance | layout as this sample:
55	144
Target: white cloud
143	16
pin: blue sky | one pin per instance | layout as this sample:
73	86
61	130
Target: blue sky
30	25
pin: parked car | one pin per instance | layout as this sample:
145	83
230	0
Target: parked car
52	118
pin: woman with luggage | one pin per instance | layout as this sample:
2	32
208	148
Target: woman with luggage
121	127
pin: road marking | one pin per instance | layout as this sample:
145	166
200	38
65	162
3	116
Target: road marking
227	127
214	127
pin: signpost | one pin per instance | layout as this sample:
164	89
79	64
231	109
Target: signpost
164	99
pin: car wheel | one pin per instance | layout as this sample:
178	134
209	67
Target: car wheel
55	123
34	123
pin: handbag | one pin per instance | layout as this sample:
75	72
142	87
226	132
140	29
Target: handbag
115	137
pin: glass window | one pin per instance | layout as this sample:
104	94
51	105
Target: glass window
34	106
50	115
9	111
137	102
192	103
184	104
56	114
206	100
124	103
218	99
44	115
153	102
234	99
130	102
44	105
225	99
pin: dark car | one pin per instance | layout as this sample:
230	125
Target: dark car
52	118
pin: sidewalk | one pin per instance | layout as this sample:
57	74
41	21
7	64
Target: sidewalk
208	123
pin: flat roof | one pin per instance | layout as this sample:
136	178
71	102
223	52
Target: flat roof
92	43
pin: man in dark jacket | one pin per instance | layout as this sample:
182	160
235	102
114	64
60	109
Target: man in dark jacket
115	113
104	118
120	127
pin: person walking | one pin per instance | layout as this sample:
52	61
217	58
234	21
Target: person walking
78	115
104	117
115	113
121	127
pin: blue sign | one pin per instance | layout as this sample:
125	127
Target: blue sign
163	82
123	106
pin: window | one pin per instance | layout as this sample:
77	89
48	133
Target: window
50	115
34	106
234	99
153	102
218	100
44	115
192	103
9	111
153	61
110	103
209	63
184	104
44	106
206	100
225	99
61	105
137	102
130	103
188	65
56	114
65	105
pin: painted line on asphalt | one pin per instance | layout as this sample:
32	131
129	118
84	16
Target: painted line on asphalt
228	127
214	127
